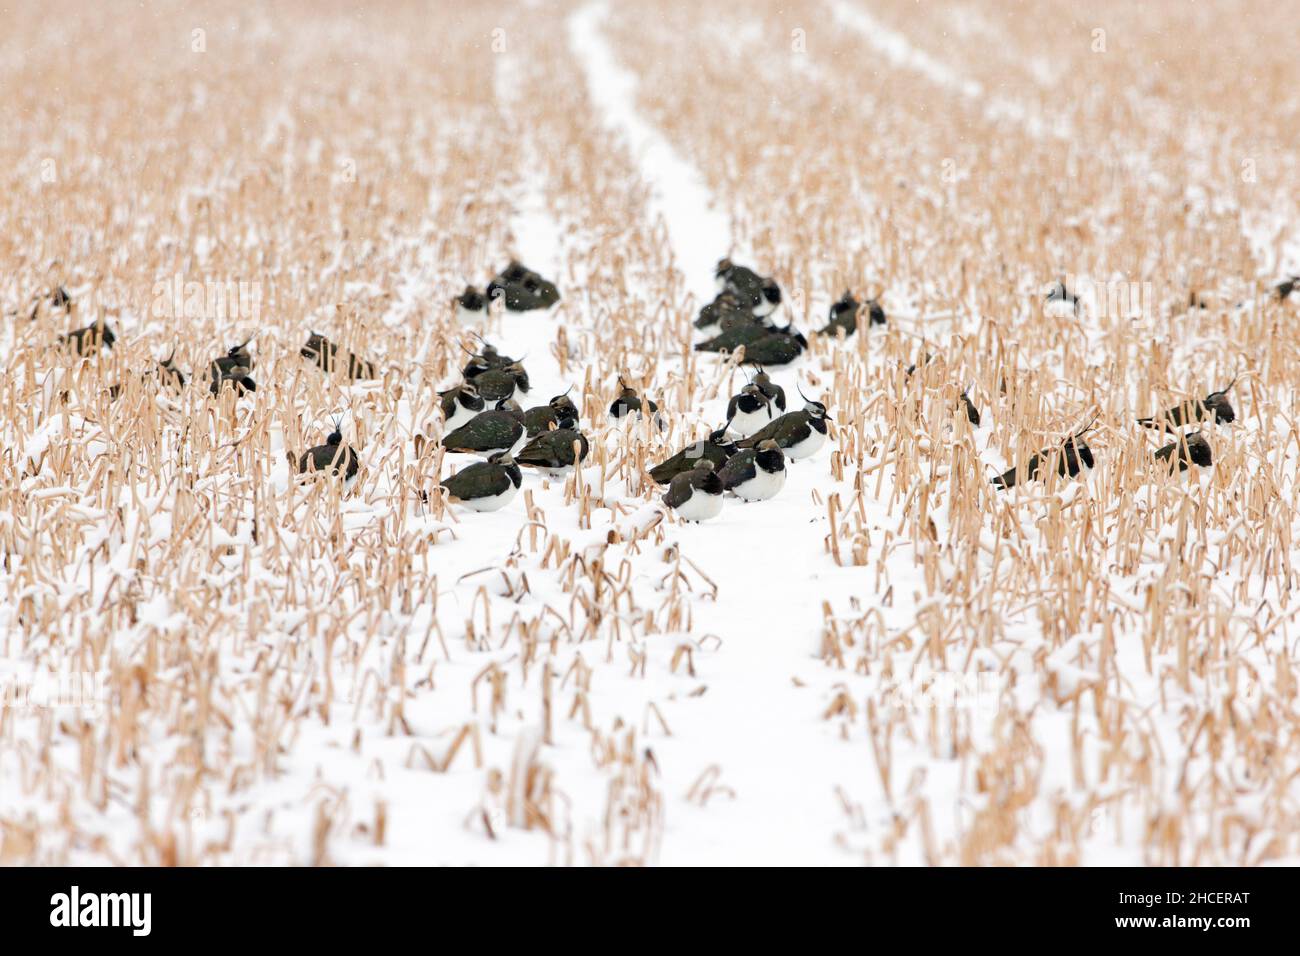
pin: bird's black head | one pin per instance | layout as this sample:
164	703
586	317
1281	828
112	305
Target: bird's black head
1198	449
108	337
1081	451
564	407
502	458
335	437
724	266
846	304
772	292
815	409
515	271
1218	403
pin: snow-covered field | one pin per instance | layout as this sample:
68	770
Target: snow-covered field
206	661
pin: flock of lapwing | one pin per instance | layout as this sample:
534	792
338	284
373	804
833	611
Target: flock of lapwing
486	413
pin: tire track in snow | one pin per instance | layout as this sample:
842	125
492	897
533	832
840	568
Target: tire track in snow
699	234
762	729
899	50
538	238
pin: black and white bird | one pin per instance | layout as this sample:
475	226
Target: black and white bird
759	294
726	310
734	336
471	306
778	347
509	382
1061	301
801	434
553	451
237	356
496	430
755	474
1188	450
750	410
696	495
631	406
844	314
1071	458
544	417
485	360
89	340
1214	406
972	413
486	485
327	356
717	448
459	405
333	458
774	392
1287	288
235	377
522	289
169	374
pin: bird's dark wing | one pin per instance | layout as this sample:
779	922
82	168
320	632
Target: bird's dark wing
480	480
484	431
679	490
738	469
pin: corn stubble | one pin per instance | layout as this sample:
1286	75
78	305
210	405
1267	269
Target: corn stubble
1129	641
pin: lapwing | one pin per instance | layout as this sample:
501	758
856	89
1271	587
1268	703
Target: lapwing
324	354
1286	288
237	356
1188	450
631	405
552	451
544	417
486	485
741	281
972	413
499	384
59	299
485	360
1071	457
471	306
696	495
497	430
87	341
844	314
750	410
734	337
1061	301
801	434
724	308
459	405
717	448
169	374
775	393
769	299
1215	406
755	474
780	347
236	377
523	290
333	458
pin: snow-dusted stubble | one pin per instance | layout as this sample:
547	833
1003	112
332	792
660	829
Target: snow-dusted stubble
219	299
1111	298
977	694
27	693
